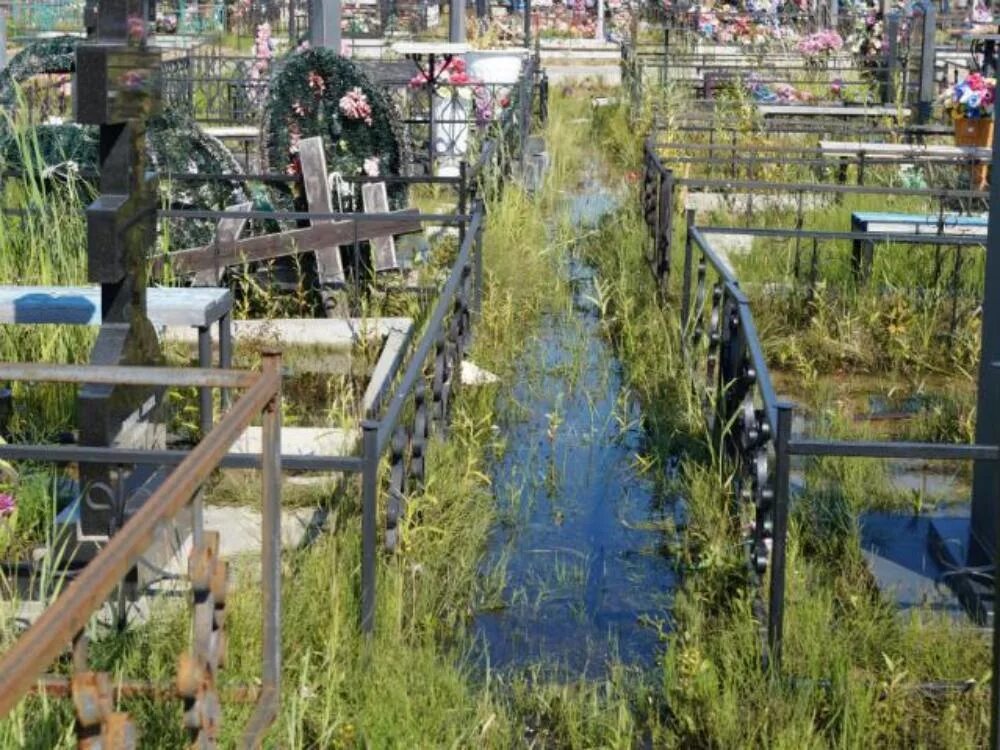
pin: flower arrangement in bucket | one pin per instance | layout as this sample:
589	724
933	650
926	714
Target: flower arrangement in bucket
970	103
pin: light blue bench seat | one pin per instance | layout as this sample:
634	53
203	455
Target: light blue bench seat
904	223
195	307
909	228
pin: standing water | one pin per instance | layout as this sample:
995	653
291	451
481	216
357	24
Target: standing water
580	538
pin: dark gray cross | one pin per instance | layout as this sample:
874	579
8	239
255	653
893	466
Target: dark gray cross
117	89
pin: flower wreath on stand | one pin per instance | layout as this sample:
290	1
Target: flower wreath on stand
319	93
174	144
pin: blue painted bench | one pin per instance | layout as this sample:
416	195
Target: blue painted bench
197	307
891	222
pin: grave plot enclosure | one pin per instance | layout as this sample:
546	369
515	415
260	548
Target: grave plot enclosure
764	237
804	71
184	261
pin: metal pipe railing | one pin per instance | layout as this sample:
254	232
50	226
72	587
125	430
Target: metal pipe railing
745	414
66	618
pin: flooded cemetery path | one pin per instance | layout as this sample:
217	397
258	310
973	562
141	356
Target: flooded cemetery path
579	542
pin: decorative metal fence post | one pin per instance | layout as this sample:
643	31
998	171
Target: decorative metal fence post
890	62
686	283
477	297
369	523
456	21
985	515
4	10
527	24
269	701
927	91
776	599
664	229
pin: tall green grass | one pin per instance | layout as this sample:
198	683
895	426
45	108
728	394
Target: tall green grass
415	682
853	664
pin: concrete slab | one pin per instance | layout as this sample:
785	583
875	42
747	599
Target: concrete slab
607	75
738	202
240	529
301	441
732	244
333	333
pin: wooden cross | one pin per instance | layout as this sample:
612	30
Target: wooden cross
375	200
324	237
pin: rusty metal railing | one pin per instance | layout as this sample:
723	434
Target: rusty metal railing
23	667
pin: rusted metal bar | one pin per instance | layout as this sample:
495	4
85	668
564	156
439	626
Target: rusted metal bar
369	523
172	377
58	686
267	704
97	455
68	615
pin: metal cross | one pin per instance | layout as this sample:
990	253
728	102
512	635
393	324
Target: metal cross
117	89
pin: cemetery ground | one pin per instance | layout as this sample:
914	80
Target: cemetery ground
855	669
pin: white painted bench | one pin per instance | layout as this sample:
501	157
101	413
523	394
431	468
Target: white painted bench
951	225
808	110
888	151
191	308
890	222
233	132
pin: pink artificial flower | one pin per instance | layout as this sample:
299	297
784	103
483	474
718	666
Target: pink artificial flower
262	42
133	80
820	42
316	83
354	104
298	109
7	504
136	28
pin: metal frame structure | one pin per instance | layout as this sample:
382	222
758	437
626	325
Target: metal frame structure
742	408
222	90
413	403
660	186
65	621
644	63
